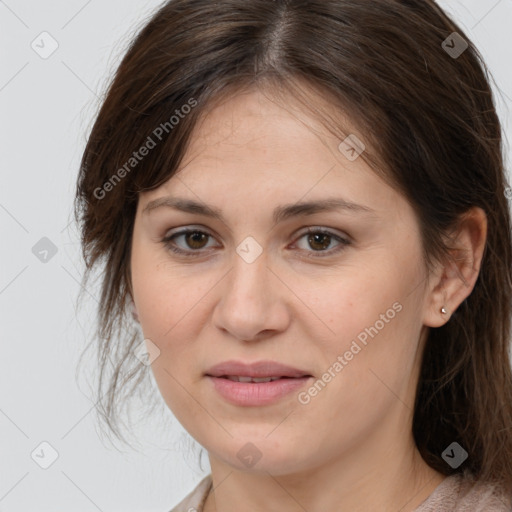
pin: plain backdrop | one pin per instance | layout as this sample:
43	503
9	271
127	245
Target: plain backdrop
47	106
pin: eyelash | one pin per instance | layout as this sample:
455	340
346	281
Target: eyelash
169	244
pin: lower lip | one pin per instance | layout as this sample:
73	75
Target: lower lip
256	393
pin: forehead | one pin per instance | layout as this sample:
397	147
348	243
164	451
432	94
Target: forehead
262	153
252	135
264	123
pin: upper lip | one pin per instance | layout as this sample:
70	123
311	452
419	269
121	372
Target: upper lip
258	369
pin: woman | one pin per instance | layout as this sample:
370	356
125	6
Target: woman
303	205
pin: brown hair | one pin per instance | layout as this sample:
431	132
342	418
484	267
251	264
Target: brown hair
430	118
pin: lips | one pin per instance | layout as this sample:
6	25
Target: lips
258	370
256	384
240	378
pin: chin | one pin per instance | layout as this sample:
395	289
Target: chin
261	453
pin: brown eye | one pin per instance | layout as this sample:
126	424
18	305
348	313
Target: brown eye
320	241
195	239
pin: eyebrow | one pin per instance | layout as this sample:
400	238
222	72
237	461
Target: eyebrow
280	214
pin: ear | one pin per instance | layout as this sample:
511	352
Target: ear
133	309
454	280
131	304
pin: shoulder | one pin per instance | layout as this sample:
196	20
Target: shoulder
194	501
458	493
455	494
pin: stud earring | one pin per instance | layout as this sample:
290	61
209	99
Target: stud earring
443	311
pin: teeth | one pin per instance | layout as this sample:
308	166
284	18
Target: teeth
252	379
243	379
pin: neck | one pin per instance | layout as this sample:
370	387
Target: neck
348	485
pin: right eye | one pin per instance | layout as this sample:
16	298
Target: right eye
194	239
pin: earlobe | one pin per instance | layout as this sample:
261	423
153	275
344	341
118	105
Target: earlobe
133	310
459	274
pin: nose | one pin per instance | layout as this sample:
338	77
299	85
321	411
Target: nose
252	303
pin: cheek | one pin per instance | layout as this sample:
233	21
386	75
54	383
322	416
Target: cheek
171	303
352	301
373	325
156	293
165	306
171	315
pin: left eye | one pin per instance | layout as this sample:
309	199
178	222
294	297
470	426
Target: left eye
195	239
321	240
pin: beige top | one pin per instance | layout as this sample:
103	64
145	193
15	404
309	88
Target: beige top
453	494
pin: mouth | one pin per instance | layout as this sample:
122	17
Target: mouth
257	370
255	384
244	378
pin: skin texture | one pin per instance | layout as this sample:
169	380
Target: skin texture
350	447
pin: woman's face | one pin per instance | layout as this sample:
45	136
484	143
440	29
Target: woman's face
342	307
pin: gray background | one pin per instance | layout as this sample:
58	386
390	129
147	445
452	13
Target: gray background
47	106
